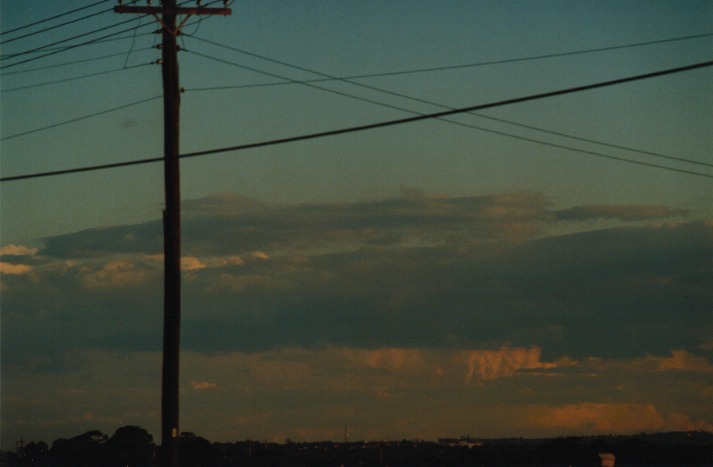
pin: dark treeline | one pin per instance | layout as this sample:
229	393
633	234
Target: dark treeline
133	446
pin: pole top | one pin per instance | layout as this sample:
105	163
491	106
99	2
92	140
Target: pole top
155	10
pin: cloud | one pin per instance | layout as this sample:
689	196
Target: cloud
14	269
454	364
422	272
14	256
191	263
628	213
227	224
202	385
114	274
602	418
606	418
681	360
261	255
486	365
17	250
144	238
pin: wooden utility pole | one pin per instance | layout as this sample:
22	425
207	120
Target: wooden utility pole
169	12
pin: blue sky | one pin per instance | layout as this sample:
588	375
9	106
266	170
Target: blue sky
423	280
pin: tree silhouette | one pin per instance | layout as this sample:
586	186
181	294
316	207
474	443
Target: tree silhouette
84	450
131	446
195	451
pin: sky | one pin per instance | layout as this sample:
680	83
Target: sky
498	274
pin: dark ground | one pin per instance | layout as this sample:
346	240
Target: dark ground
134	447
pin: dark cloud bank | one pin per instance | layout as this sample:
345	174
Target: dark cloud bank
477	272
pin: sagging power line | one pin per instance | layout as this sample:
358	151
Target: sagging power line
73	62
75	78
401	121
56	26
441	68
51	18
436	104
69	47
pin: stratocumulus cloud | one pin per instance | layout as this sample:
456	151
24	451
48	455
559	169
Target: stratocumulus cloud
17	250
622	213
404	273
425	301
9	268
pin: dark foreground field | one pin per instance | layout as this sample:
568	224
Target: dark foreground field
134	447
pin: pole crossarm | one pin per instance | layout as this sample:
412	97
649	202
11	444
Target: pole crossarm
166	10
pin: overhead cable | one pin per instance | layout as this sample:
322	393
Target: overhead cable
83	117
424	101
73	46
74	78
49	46
74	62
401	121
50	28
448	67
51	18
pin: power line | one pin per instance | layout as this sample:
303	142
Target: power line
67	39
49	46
83	117
51	18
444	68
424	101
73	46
80	77
101	41
603	143
274	75
75	62
74	78
50	28
402	121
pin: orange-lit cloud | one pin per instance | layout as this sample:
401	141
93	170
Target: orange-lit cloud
115	273
14	269
191	263
223	261
259	255
485	365
602	417
201	385
194	263
470	364
684	361
17	250
592	418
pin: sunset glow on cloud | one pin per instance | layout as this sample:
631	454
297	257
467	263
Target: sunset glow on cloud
505	320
